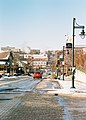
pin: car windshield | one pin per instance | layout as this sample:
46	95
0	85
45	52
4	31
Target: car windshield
37	72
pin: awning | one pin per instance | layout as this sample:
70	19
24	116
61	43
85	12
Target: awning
25	62
2	62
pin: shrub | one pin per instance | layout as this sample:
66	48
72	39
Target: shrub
54	76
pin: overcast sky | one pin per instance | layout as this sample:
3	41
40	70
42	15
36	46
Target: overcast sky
40	24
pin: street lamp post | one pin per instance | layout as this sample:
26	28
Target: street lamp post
63	62
75	26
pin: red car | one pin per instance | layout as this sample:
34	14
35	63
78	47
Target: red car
37	75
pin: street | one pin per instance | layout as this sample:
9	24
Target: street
23	100
42	60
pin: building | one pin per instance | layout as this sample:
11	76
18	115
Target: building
79	48
6	59
8	48
40	61
34	51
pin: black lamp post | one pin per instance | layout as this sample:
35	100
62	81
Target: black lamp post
6	64
57	66
63	62
75	26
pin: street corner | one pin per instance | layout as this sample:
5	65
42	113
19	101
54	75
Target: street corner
60	92
80	93
41	85
74	93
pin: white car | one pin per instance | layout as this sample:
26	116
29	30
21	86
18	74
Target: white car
44	76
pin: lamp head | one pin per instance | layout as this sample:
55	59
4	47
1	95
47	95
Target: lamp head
82	34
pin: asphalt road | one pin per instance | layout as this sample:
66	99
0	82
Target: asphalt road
25	102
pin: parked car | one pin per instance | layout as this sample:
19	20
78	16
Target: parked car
44	75
0	76
37	75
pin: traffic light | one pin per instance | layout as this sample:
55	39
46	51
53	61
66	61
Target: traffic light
58	62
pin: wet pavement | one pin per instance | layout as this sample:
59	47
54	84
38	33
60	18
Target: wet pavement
17	84
36	106
74	107
30	101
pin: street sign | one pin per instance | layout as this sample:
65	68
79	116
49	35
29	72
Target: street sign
69	41
73	69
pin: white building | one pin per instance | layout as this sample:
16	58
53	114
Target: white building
40	60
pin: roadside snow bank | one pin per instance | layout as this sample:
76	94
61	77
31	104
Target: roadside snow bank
80	76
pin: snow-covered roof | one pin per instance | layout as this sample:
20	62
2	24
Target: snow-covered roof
4	55
39	56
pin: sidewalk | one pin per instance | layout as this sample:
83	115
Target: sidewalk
66	88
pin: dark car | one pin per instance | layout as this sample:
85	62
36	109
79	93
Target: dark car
0	76
37	75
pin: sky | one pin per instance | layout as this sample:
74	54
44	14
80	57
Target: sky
40	24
